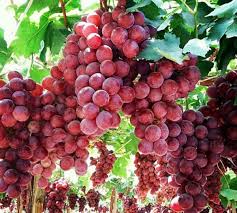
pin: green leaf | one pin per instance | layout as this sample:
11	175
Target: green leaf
189	20
232	30
230	194
164	24
224	201
198	47
204	8
29	35
151	11
219	29
179	28
227	51
233	183
72	4
132	145
38	74
158	3
204	67
168	48
120	166
225	10
139	5
4	51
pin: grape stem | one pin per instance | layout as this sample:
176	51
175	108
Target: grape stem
64	12
233	207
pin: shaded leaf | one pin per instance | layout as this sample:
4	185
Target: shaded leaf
151	11
198	47
233	183
204	8
179	29
224	201
168	48
227	51
204	67
220	28
225	10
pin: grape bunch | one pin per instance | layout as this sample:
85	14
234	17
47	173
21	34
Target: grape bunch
159	86
221	105
56	196
96	59
5	202
146	173
93	199
103	164
103	209
17	101
72	200
195	145
82	203
130	204
213	187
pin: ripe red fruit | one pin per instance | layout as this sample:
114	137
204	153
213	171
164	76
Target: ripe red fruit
118	36
94	40
126	20
130	48
66	163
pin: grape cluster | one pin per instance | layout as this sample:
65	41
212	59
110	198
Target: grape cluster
93	199
159	86
130	204
17	101
194	148
82	203
5	202
146	173
221	105
103	209
213	187
72	200
103	164
98	56
56	196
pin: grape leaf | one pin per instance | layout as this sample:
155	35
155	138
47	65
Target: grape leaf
4	51
179	29
29	36
120	166
158	3
198	47
204	67
38	74
230	194
72	4
232	30
138	5
168	48
219	29
225	10
204	8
